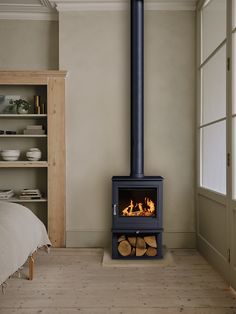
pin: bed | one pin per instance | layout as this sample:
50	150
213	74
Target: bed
21	234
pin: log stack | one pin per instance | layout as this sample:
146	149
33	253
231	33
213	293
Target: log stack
137	246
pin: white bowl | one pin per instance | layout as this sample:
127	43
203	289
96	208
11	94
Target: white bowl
10	153
10	158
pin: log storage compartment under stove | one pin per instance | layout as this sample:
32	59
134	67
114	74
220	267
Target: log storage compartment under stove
137	199
135	246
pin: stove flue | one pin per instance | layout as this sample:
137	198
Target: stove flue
137	199
137	88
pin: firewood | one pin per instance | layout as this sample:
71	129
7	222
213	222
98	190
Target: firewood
140	252
151	251
124	248
121	238
132	241
141	244
133	252
151	241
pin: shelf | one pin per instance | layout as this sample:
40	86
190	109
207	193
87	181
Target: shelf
18	200
25	116
22	135
23	164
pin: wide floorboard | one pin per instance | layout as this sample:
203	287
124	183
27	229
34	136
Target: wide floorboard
69	281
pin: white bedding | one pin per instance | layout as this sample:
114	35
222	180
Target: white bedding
21	233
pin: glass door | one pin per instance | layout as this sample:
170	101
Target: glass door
212	130
232	118
216	193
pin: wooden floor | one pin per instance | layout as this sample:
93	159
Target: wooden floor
70	281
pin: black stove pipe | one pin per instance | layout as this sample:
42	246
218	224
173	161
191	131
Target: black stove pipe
137	87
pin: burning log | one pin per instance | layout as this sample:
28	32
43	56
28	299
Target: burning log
146	209
124	248
151	241
151	251
128	210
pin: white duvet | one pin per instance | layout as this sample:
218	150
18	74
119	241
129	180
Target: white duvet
21	233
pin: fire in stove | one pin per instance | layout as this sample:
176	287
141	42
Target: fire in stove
139	209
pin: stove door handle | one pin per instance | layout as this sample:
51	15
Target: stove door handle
114	209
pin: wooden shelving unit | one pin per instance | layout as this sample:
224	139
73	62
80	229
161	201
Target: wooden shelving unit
18	200
23	116
22	135
49	173
23	164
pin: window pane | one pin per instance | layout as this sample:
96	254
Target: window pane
213	152
234	13
234	73
234	158
214	87
213	26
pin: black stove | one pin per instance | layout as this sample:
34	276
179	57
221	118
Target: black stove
137	200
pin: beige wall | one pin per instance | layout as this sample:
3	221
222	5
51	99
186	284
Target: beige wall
94	48
28	45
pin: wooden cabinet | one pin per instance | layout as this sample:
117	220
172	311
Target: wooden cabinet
48	174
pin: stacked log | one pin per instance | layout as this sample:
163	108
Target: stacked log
137	246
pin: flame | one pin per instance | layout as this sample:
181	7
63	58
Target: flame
148	209
151	205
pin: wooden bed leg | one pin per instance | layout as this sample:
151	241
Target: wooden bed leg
31	267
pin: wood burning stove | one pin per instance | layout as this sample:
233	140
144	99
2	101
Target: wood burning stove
137	213
137	199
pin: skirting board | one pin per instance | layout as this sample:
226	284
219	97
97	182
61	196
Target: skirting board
166	261
218	261
91	239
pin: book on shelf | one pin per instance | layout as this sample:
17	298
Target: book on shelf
30	194
34	132
29	191
34	127
22	197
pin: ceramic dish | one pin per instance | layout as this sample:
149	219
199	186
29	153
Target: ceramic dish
10	154
34	154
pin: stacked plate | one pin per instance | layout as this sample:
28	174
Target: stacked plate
10	154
